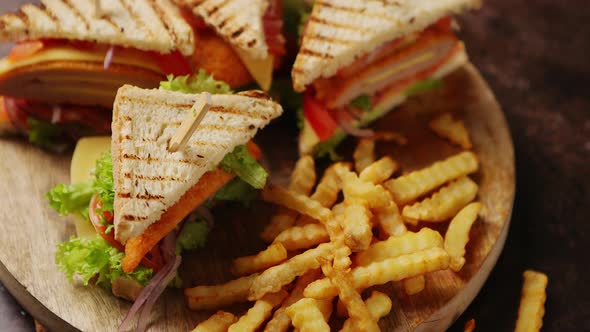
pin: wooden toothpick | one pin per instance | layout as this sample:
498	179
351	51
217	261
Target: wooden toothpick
190	123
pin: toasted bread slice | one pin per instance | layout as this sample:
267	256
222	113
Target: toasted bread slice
149	25
239	22
339	31
148	178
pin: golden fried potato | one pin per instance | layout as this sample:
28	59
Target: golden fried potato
296	202
408	187
271	256
303	237
280	321
457	234
396	246
414	285
452	129
378	273
532	302
274	278
364	154
219	322
213	297
256	315
379	306
307	316
359	313
379	171
443	204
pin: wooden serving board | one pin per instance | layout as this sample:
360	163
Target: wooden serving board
30	230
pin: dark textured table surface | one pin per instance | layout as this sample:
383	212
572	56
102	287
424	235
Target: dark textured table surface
535	55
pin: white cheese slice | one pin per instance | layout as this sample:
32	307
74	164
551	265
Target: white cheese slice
88	150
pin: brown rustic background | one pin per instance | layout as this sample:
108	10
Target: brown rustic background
535	55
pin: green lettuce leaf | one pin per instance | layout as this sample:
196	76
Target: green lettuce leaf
423	86
238	191
103	181
362	102
200	82
194	235
94	260
241	163
71	199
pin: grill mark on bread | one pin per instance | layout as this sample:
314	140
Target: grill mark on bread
214	109
152	177
144	197
162	16
330	39
161	160
355	11
339	25
136	19
237	32
49	13
131	217
77	13
312	53
215	8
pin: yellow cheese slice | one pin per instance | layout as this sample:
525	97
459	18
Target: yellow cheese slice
87	151
260	69
73	54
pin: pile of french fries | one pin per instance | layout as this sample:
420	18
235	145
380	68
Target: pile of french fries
330	241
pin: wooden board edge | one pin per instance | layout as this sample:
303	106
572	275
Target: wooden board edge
35	308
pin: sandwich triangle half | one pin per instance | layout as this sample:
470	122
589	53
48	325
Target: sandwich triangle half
339	31
149	25
148	179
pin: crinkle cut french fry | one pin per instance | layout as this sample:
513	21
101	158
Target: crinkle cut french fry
282	220
302	181
414	285
305	220
274	278
396	246
213	297
364	154
357	309
297	202
378	273
326	192
408	187
303	237
271	256
280	321
303	177
532	302
390	220
306	316
454	130
443	204
219	322
357	226
457	234
256	315
379	171
379	306
353	187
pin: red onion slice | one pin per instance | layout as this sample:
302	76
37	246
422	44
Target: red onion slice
108	58
150	293
344	119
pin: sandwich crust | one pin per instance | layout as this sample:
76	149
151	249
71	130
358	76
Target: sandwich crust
339	31
148	178
149	25
239	22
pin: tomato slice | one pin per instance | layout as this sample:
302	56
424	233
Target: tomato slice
273	27
154	261
25	49
173	63
318	116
